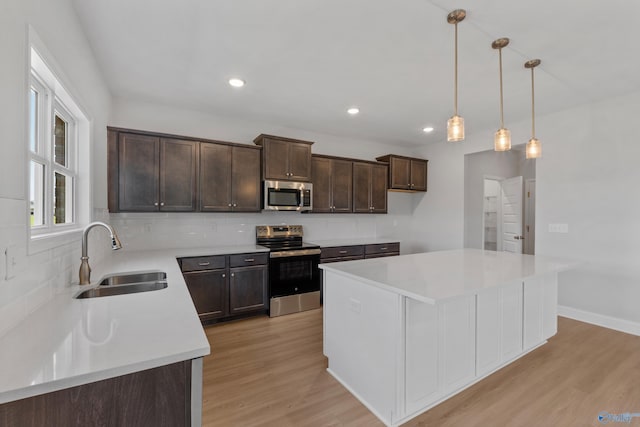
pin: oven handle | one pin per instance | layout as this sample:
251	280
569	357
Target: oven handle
298	252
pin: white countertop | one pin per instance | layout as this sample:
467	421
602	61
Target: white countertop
352	242
69	342
433	276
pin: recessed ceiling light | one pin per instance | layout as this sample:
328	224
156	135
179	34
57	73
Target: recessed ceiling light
236	82
427	129
353	110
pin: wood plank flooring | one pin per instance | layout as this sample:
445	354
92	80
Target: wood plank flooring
271	372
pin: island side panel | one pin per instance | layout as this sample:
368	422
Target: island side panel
362	340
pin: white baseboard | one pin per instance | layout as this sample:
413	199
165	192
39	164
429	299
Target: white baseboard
621	325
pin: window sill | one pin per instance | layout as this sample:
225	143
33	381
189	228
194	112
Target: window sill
43	242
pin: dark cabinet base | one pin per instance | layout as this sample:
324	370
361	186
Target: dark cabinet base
156	397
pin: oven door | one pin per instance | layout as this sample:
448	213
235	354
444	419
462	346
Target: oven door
294	284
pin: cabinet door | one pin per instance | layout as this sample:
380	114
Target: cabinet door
379	188
418	175
178	175
245	179
341	186
400	173
215	178
321	178
276	159
138	172
299	162
361	187
209	291
248	289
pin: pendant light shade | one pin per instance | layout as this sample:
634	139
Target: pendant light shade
455	125
534	148
502	139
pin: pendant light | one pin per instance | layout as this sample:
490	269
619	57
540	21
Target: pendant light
502	139
455	125
534	149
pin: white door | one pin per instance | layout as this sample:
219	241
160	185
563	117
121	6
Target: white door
512	215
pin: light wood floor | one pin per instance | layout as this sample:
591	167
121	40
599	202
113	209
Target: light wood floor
271	372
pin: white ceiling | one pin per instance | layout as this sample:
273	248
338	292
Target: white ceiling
305	62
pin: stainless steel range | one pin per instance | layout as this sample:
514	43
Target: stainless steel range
294	277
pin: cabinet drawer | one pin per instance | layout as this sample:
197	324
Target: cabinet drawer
244	260
203	263
381	248
342	251
381	255
346	258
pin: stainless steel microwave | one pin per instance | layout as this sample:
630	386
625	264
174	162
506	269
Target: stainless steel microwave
288	196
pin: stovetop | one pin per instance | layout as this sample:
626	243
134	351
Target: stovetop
283	246
282	237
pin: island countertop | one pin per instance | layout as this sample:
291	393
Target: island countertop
69	342
434	276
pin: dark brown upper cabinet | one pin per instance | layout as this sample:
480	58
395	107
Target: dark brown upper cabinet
229	178
406	173
285	159
332	184
151	173
369	187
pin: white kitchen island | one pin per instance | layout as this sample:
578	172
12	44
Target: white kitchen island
404	333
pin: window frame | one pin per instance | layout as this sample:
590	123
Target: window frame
55	98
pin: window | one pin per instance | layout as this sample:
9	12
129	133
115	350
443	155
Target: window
54	136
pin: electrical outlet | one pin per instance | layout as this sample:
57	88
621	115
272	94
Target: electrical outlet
354	305
9	262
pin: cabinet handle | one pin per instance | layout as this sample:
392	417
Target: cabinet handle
155	204
235	205
233	274
249	260
383	249
342	252
224	275
203	264
162	204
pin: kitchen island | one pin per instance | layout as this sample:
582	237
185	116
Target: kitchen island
404	333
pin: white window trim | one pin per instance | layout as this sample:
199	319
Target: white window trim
68	100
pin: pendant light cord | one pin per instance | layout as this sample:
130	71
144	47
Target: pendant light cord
501	99
533	108
455	79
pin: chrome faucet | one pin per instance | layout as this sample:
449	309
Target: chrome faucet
85	270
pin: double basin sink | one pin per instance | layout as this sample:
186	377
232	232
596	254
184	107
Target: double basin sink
127	283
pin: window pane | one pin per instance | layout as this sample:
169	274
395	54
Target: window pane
62	199
33	120
60	149
36	193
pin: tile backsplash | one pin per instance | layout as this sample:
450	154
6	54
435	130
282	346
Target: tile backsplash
139	231
38	274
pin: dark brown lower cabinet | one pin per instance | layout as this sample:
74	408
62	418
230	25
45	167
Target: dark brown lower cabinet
209	291
248	289
158	397
225	287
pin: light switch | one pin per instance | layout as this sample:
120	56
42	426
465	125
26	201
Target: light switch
558	228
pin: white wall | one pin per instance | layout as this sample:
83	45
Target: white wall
587	178
39	275
154	230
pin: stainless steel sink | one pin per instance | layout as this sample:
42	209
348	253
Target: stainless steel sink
122	284
123	279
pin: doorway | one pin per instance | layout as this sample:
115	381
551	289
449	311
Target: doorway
499	201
